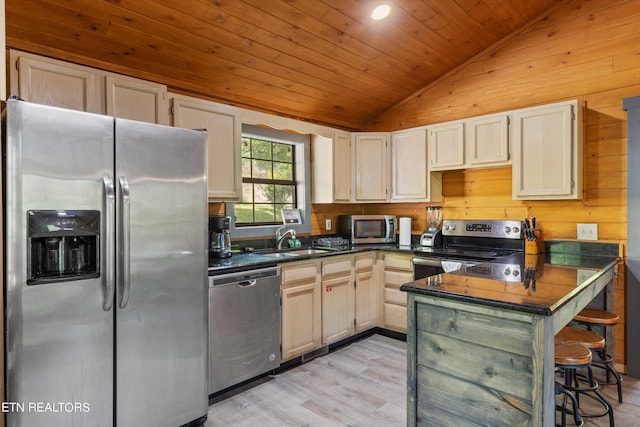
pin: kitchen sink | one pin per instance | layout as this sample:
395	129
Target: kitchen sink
296	253
280	255
309	251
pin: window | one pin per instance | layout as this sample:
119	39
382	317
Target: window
276	174
268	181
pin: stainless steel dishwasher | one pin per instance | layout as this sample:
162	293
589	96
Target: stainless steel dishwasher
244	326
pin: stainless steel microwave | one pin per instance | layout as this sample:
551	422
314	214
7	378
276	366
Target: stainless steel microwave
368	228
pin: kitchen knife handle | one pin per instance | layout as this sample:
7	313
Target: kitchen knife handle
124	274
107	242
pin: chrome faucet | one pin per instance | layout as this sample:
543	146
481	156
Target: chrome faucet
280	236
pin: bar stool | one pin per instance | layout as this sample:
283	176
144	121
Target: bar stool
591	317
569	357
593	342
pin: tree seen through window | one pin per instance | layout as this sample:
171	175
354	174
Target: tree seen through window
268	182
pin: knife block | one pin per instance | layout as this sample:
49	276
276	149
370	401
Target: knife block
534	246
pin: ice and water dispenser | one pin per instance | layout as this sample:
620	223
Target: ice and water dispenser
63	245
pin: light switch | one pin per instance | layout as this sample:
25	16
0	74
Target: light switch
327	224
587	231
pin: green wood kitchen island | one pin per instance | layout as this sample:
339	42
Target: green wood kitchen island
480	349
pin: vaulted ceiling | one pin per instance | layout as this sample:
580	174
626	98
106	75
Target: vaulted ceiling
324	61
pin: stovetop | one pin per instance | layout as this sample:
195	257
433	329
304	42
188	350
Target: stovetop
481	240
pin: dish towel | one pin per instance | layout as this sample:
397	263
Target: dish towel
449	266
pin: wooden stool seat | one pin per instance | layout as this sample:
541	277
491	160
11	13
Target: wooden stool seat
571	354
597	317
589	339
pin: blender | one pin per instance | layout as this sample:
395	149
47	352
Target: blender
432	237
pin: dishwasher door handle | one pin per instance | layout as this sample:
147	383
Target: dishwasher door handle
247	283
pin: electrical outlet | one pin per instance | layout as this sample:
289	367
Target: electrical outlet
587	231
327	224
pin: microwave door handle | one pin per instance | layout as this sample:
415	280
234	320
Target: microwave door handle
107	242
124	275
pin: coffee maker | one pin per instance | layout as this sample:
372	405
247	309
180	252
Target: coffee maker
219	237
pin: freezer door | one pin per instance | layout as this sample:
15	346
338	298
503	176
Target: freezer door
59	333
161	319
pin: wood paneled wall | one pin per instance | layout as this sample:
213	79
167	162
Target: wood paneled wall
586	50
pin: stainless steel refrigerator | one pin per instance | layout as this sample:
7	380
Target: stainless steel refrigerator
105	270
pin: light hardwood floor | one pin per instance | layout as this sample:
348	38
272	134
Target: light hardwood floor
362	384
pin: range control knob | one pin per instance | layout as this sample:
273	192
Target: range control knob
515	229
507	229
507	271
516	273
452	226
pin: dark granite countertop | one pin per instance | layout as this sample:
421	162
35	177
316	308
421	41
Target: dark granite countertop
243	261
558	278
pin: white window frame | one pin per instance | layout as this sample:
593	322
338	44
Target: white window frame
302	147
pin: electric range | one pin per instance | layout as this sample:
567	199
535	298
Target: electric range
469	243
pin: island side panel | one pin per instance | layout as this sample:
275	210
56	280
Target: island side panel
470	364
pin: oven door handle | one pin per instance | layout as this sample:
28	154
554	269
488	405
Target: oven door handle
431	262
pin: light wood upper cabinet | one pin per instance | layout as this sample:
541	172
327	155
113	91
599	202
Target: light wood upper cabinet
62	84
331	168
224	136
342	166
135	99
410	179
487	141
547	147
51	82
471	143
446	146
370	166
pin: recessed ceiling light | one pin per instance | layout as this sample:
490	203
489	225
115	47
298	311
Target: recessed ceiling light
380	12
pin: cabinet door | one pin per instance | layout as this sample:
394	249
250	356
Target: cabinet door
487	141
337	309
370	152
409	177
342	167
365	301
301	320
136	99
55	83
547	160
446	146
224	138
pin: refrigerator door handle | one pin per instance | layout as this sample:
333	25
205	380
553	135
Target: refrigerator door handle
124	285
107	242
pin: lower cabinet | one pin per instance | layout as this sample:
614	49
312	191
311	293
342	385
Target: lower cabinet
398	270
301	308
365	293
337	298
348	296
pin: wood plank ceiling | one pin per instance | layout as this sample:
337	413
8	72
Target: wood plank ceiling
324	61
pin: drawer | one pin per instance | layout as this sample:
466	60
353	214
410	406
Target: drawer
337	266
397	278
395	296
395	317
364	262
398	262
305	271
